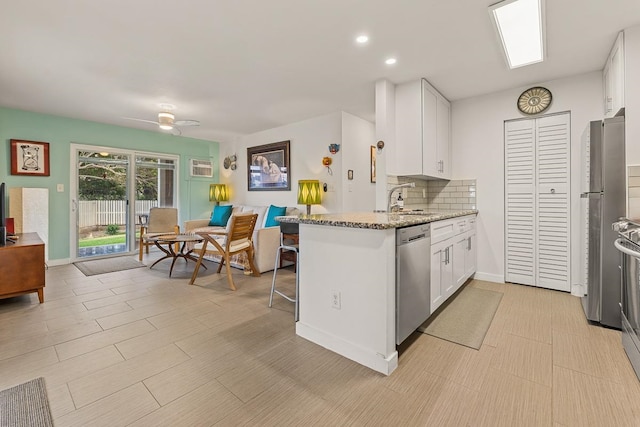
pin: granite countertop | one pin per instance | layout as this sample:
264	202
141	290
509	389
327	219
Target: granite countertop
374	220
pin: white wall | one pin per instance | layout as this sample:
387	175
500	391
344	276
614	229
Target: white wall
310	141
478	153
358	135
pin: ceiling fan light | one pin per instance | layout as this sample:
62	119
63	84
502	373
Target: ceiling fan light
165	120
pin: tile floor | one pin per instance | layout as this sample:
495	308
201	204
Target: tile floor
138	348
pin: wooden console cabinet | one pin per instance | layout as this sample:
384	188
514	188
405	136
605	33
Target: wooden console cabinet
22	267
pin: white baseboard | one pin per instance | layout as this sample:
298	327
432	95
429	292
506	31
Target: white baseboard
497	278
57	262
363	356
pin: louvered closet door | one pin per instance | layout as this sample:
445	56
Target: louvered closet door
537	170
553	162
519	203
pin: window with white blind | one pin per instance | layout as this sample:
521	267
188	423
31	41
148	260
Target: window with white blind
537	209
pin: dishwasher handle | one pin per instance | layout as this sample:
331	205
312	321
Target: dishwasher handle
416	237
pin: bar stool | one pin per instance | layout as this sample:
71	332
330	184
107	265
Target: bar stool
287	228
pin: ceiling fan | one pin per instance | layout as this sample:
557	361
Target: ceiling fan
167	121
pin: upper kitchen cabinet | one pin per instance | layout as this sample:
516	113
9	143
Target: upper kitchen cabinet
423	120
613	78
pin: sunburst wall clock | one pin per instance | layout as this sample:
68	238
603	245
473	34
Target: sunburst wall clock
534	100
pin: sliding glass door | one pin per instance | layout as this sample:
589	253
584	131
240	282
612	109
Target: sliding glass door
113	191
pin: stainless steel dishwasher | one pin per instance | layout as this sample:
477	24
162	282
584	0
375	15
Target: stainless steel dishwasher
413	279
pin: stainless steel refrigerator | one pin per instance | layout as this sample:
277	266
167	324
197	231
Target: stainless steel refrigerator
603	201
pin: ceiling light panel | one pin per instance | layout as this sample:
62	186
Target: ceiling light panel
362	39
390	61
520	26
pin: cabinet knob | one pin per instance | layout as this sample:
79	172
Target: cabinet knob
553	191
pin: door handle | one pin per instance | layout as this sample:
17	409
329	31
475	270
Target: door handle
468	243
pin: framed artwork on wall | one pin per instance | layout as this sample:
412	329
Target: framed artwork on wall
268	167
29	158
373	163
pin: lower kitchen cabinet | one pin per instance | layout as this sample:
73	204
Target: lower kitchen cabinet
453	257
442	282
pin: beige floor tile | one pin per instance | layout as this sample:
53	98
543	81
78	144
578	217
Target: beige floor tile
524	358
532	324
113	299
116	377
584	400
206	405
455	406
134	315
12	330
589	355
12	371
133	347
60	401
80	366
506	400
282	405
181	379
568	315
102	339
118	409
35	342
66	321
193	310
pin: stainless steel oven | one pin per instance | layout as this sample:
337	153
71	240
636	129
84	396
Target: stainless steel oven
628	244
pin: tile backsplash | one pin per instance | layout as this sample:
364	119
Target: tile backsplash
436	195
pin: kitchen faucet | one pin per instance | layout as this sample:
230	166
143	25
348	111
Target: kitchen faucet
408	184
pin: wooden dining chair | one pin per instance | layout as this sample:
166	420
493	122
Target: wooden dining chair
161	221
237	238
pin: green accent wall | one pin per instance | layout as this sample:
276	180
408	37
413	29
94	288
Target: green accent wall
60	133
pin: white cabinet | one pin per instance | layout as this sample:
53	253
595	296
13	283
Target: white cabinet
613	78
442	283
453	256
423	121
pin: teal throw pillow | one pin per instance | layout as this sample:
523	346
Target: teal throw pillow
273	212
220	215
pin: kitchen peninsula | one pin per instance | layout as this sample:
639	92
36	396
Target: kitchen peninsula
348	281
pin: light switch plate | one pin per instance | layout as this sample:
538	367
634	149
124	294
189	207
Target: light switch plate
60	188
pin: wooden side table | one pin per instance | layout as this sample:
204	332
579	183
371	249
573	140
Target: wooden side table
289	239
22	267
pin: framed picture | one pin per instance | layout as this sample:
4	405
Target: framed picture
268	167
373	163
29	158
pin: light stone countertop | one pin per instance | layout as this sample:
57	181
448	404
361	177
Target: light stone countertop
374	220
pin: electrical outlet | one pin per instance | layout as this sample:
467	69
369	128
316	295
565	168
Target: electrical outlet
60	188
335	299
424	193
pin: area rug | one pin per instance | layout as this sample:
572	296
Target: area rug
107	265
466	317
25	405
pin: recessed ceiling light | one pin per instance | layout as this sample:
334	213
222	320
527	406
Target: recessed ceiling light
520	25
390	61
362	39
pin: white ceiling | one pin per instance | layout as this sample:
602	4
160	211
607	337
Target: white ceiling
241	66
